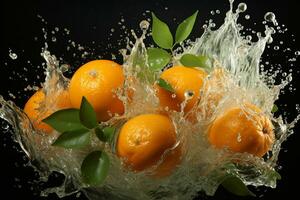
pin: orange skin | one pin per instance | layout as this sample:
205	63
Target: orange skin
98	81
32	108
242	131
144	139
181	79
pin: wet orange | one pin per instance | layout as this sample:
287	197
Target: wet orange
98	81
33	108
185	81
144	140
242	130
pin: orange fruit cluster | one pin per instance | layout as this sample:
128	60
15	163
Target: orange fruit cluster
150	140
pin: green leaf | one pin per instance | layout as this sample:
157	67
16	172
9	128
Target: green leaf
87	114
161	33
185	28
165	85
73	139
94	168
236	186
275	108
158	58
64	120
190	60
106	134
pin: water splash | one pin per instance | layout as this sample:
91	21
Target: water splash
202	167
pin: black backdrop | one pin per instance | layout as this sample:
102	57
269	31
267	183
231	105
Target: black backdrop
91	21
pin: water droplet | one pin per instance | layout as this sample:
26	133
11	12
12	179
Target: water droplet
239	137
93	73
188	94
112	30
56	29
144	25
218	11
247	17
242	7
276	48
12	55
173	96
249	37
270	17
53	39
297	53
212	12
66	31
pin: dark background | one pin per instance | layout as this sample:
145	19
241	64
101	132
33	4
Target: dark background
91	21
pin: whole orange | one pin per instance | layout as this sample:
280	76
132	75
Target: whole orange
144	139
36	113
242	130
98	81
185	81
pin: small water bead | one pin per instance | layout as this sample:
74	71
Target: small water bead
239	137
249	37
173	96
276	48
247	17
297	53
212	25
67	31
12	55
218	11
270	17
53	39
242	7
144	25
112	30
188	94
212	12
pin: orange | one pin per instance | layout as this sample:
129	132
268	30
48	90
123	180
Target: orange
144	139
36	113
183	80
98	81
242	130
